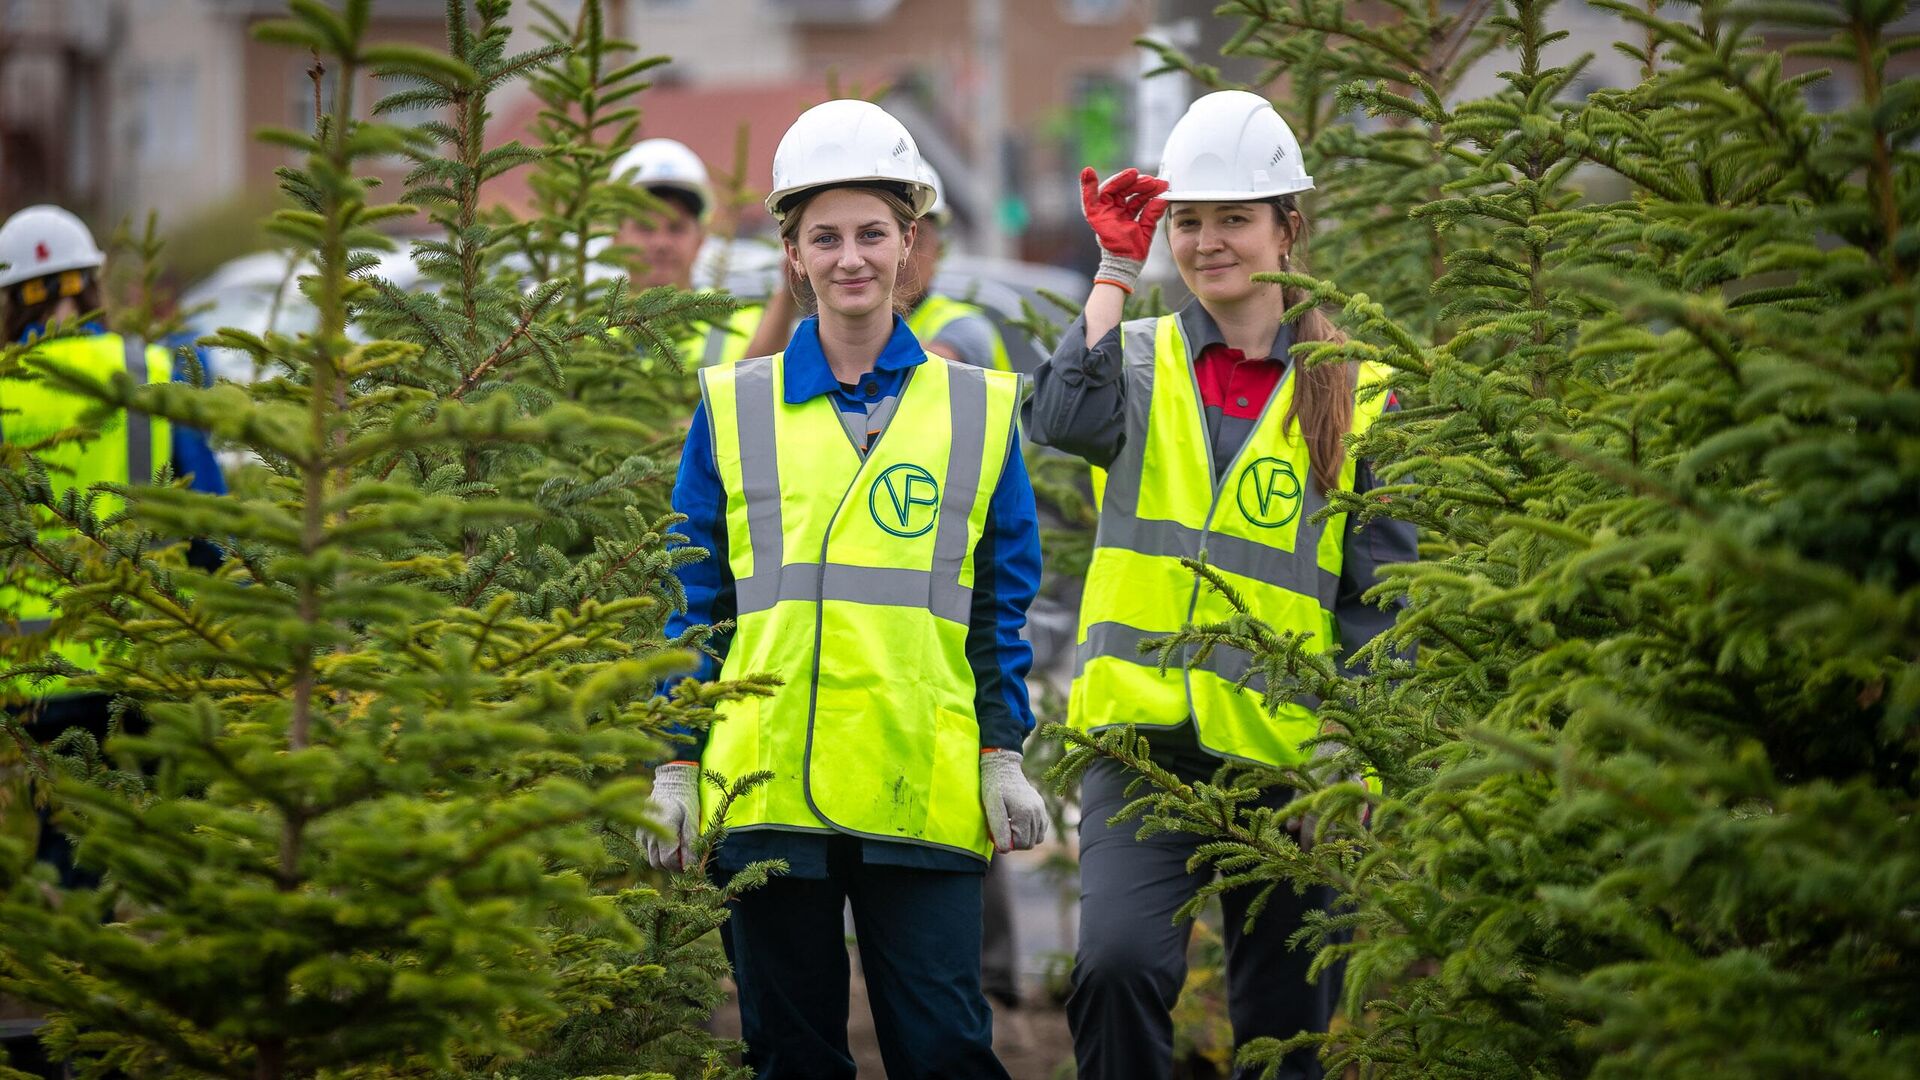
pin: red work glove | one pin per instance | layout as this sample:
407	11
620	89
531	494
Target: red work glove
1123	211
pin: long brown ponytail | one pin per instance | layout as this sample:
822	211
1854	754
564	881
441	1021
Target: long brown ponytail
1322	394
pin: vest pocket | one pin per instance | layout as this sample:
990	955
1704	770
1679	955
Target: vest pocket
870	763
734	749
957	818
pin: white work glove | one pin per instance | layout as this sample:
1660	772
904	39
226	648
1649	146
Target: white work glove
675	804
1016	815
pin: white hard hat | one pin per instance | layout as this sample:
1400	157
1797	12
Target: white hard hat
941	212
42	240
666	163
845	142
1229	147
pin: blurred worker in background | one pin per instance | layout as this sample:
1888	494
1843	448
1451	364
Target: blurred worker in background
956	329
669	238
51	276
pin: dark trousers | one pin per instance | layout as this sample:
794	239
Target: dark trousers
45	721
919	937
1132	958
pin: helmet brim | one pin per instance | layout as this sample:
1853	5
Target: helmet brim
920	194
1305	183
699	192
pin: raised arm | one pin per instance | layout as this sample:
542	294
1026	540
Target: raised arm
1079	402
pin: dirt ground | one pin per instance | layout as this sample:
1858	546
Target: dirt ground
1032	1041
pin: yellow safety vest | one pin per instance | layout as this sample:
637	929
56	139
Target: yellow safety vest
935	312
854	581
722	342
131	445
1254	525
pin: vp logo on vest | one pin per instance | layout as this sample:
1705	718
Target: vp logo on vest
1269	492
904	500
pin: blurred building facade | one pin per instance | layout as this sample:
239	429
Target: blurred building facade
55	89
1006	97
118	107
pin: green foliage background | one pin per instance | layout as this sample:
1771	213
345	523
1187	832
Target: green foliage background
1646	797
1649	790
376	815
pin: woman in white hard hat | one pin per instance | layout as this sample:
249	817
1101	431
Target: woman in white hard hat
1215	442
50	276
669	235
874	544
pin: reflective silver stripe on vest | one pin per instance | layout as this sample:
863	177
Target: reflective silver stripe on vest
716	348
25	627
1123	476
938	590
1233	554
753	397
139	424
1118	641
886	586
967	397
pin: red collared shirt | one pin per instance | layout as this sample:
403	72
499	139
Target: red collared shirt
1235	383
1234	389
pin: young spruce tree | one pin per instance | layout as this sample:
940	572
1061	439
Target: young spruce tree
373	827
1648	792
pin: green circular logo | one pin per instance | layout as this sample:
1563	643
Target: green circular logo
904	500
1269	492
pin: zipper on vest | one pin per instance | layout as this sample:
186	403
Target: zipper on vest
820	602
1220	478
1213	504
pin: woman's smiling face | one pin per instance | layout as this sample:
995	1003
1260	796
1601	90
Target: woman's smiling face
850	248
1220	246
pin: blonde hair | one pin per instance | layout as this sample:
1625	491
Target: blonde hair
897	205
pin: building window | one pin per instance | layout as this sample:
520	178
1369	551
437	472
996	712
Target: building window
409	116
1831	94
169	131
1094	11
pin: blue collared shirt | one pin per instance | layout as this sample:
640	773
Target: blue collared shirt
1006	576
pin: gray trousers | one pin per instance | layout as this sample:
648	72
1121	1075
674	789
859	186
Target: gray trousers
1132	958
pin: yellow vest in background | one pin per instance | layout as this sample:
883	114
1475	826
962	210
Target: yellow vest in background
935	312
129	448
722	342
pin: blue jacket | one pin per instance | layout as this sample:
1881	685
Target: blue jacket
1006	576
